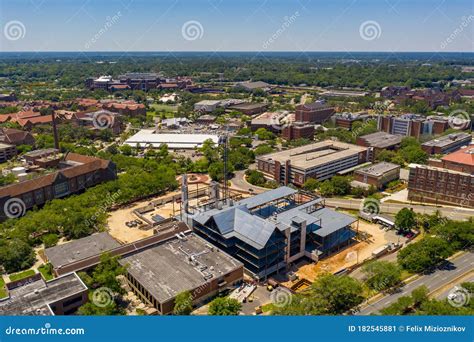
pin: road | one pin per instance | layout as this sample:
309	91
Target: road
457	267
393	208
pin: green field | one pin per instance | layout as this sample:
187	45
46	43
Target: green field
3	290
21	275
45	271
164	108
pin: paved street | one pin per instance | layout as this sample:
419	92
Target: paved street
435	280
393	208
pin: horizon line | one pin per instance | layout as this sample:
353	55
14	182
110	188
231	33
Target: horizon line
233	51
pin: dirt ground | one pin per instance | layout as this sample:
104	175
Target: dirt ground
351	255
117	219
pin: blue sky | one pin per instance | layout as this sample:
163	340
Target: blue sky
237	25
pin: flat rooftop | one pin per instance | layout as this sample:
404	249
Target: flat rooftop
464	156
313	155
435	168
34	297
382	139
80	249
147	137
449	139
208	102
178	265
246	106
378	169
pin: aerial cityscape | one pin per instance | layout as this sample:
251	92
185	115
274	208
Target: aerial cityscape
174	166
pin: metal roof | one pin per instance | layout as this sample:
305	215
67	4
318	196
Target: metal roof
331	221
268	196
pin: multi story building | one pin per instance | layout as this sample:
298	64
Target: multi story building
140	80
446	181
412	125
346	120
378	175
272	121
271	230
72	173
320	160
34	296
7	152
316	112
298	130
447	144
379	141
183	262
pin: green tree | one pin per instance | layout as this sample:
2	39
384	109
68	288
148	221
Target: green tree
311	184
183	304
16	255
405	219
424	254
224	306
382	275
328	295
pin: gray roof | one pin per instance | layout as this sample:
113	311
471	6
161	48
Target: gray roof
239	222
80	249
35	295
382	139
268	196
166	270
331	221
378	169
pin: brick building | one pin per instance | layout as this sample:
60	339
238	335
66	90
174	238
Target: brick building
447	144
320	160
73	173
378	142
378	175
412	125
446	181
184	262
34	296
316	112
298	130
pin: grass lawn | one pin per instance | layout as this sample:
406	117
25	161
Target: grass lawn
45	271
164	108
3	290
21	275
268	307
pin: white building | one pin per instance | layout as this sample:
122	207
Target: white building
148	138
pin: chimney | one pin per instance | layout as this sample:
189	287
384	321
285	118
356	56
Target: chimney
55	131
184	192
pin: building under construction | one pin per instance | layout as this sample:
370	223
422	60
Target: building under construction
269	231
